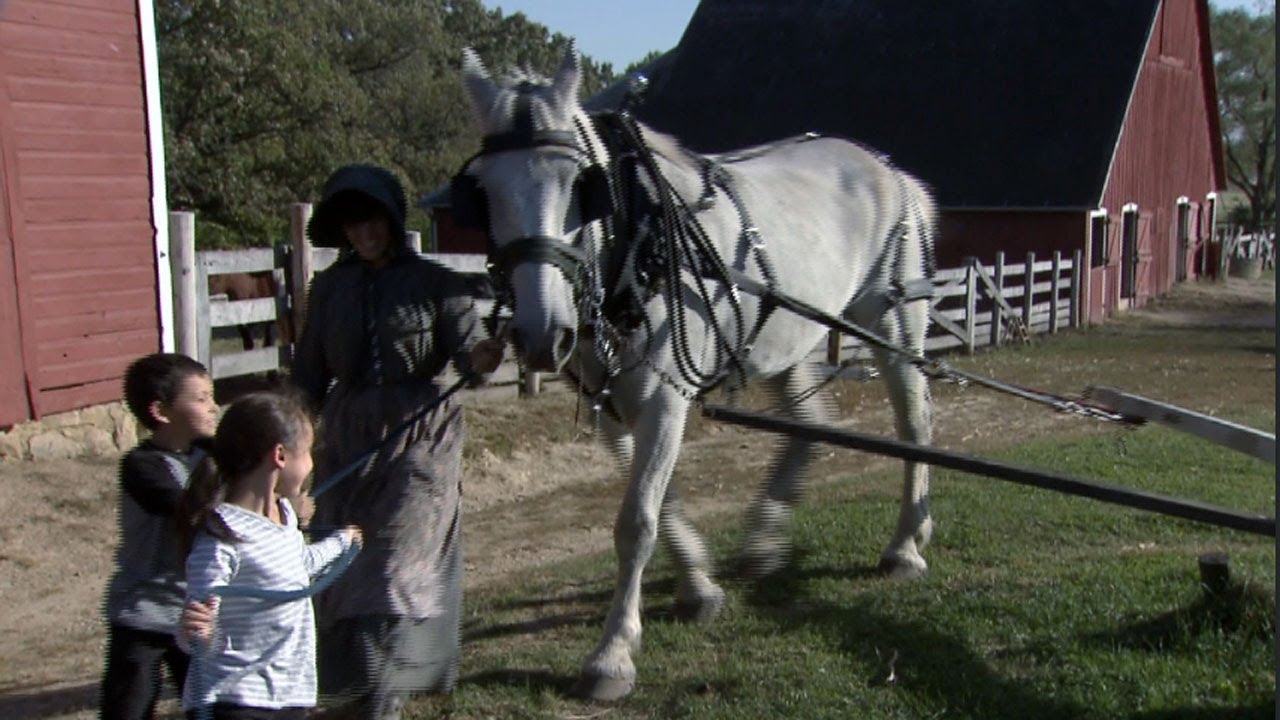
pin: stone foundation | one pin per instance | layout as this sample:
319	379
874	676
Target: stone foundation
102	430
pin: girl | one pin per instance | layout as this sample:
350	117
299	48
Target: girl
241	533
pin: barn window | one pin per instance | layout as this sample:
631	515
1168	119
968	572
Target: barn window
1129	251
1098	246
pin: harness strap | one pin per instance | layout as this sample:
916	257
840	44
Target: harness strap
931	366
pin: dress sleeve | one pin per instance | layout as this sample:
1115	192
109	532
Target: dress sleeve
310	369
459	327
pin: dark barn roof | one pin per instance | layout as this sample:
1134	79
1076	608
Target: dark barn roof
994	103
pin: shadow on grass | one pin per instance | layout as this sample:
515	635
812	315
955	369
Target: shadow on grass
1257	712
1245	611
912	656
586	608
533	681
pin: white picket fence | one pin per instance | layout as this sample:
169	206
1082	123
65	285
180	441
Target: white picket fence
973	305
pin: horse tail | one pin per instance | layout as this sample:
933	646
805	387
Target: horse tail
920	216
923	219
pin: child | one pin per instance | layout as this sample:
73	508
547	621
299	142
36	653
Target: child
172	396
242	533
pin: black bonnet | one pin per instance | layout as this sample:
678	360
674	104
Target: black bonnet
355	191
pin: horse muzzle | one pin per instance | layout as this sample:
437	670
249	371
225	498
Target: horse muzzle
547	353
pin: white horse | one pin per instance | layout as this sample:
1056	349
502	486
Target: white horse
618	250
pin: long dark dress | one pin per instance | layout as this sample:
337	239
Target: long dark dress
371	355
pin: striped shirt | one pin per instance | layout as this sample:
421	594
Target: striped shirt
264	652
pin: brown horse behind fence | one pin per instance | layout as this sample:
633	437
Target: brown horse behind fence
252	286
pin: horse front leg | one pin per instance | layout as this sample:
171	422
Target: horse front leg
909	393
608	672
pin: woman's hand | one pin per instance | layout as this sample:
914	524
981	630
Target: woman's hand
486	356
198	619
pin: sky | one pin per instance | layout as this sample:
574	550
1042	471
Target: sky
619	32
623	31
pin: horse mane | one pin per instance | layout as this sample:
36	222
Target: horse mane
670	149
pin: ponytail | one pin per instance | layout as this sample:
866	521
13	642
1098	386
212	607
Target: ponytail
249	429
206	489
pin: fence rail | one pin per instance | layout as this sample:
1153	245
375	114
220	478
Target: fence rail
972	306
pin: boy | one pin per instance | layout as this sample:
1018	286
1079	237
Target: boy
172	396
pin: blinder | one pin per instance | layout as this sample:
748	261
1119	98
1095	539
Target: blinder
470	206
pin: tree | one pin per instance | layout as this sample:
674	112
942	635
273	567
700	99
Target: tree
262	100
1244	65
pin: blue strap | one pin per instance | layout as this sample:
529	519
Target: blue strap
198	674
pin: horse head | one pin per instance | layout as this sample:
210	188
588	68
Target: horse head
535	187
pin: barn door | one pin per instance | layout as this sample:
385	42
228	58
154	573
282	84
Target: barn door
1129	251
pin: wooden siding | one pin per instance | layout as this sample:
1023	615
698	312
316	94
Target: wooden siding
1166	150
78	187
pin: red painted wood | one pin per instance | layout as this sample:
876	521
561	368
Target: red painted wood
73	138
1168	142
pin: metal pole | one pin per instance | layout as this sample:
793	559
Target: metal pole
1177	507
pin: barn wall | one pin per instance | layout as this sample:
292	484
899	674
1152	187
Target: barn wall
983	233
78	187
1166	150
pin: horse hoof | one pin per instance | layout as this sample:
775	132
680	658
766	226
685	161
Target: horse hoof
899	568
701	609
756	565
601	688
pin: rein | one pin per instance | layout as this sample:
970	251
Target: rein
679	243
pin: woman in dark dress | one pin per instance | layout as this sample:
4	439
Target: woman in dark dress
382	325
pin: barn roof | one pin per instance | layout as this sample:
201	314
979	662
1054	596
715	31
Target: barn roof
994	103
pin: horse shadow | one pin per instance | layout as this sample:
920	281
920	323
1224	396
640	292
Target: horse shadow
592	605
957	678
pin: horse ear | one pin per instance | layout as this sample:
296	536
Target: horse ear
480	87
569	76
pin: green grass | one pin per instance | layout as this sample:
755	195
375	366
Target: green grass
1038	605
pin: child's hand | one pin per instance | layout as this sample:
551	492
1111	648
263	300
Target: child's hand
198	619
353	535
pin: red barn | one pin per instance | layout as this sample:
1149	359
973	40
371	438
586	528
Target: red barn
1041	125
82	207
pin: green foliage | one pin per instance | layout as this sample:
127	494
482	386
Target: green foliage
262	100
1245	68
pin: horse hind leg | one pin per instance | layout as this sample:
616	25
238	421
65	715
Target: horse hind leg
909	393
698	598
766	548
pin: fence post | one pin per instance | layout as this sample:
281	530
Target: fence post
530	383
1077	289
1055	287
970	304
997	312
833	348
299	215
1028	295
182	261
415	240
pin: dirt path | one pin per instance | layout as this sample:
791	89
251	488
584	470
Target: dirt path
538	490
